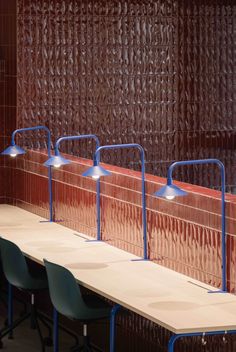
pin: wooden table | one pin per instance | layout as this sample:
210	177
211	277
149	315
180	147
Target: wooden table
172	300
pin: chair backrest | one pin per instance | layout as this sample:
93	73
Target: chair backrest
14	264
64	291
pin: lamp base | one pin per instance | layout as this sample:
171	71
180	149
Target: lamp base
139	260
218	291
42	221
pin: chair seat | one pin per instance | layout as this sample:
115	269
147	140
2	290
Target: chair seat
67	298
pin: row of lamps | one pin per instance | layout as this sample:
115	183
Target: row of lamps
169	191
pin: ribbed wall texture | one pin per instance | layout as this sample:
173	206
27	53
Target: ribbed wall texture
7	79
159	73
183	234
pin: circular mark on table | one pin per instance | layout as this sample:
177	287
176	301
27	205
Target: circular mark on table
174	305
147	292
86	266
9	224
54	249
43	243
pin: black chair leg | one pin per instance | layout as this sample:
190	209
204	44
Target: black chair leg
5	331
39	333
86	347
48	341
32	313
35	318
70	333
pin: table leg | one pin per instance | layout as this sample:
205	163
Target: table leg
172	342
112	327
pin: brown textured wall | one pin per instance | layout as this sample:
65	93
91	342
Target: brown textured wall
7	80
183	234
159	73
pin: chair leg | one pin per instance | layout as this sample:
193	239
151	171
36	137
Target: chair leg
32	313
39	333
35	318
5	331
57	326
86	341
42	319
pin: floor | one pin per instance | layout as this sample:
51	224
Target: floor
27	340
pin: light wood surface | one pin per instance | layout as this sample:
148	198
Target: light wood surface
170	299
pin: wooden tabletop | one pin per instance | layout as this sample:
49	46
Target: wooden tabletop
170	299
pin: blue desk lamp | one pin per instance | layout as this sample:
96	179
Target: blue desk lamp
171	191
13	150
58	160
97	171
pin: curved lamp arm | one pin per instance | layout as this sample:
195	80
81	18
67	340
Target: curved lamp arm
58	160
70	138
20	130
44	128
222	173
142	157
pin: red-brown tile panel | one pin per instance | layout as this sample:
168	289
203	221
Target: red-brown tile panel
158	73
75	207
129	73
183	236
7	81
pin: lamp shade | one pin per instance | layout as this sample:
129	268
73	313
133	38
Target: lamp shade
56	161
96	172
170	191
13	150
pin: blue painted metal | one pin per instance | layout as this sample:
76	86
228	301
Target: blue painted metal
142	156
170	192
222	173
96	172
112	326
56	161
64	161
13	150
174	338
55	331
18	150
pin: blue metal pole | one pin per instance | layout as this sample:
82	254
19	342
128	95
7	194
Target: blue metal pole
49	155
55	330
112	326
174	338
86	136
222	173
142	157
172	342
98	203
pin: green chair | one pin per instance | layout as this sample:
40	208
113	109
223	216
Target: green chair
67	299
5	300
18	274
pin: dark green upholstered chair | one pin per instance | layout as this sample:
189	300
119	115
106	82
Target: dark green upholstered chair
6	300
68	300
3	299
17	273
